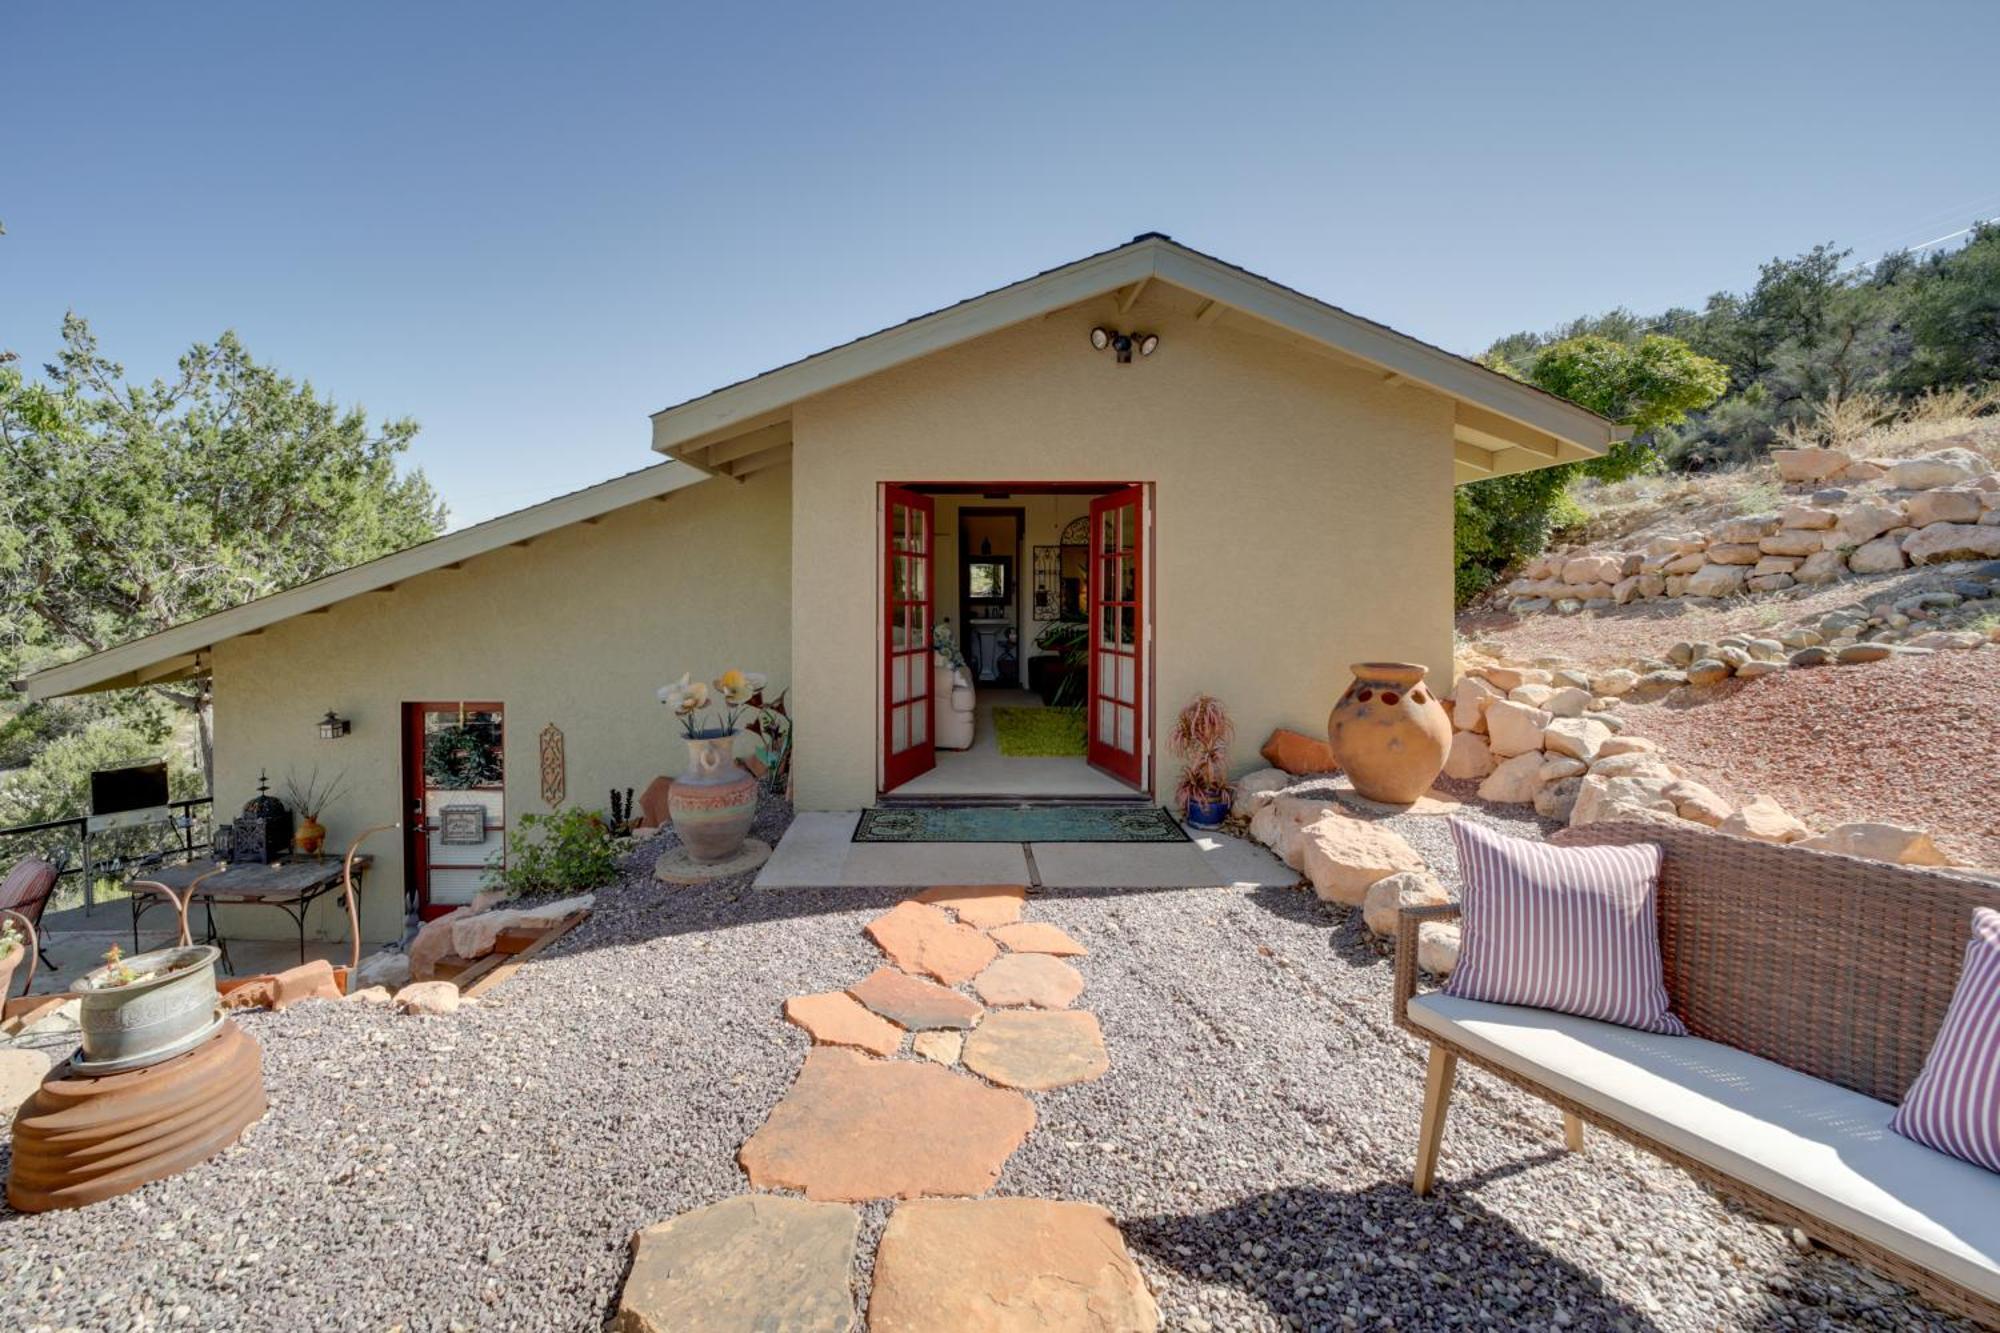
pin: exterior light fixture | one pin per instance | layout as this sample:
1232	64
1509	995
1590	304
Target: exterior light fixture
1124	343
333	726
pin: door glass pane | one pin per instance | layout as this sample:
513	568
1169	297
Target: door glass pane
1107	626
1108	531
920	717
1125	741
463	754
919	529
1128	625
899	729
898	525
1128	680
1128	580
899	678
1107	720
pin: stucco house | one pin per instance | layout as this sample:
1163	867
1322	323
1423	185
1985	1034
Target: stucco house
1240	488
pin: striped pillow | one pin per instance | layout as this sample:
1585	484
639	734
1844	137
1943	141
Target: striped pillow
1567	928
1954	1106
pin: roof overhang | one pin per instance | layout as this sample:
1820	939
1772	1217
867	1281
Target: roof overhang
182	652
1501	426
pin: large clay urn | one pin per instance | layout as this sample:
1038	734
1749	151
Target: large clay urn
713	803
1389	732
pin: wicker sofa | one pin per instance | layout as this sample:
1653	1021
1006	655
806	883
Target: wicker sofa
1813	985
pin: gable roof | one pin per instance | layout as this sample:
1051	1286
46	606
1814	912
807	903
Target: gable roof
182	651
1503	425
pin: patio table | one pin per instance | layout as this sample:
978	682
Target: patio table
292	886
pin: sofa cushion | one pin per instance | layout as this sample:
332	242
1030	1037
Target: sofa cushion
1825	1150
1954	1106
1569	928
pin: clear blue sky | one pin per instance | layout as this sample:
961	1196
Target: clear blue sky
530	226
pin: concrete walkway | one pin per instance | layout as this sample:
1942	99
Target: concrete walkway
819	851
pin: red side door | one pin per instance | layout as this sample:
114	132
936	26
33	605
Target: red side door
1118	705
908	531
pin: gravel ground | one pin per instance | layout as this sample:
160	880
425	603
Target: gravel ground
1252	1137
1913	740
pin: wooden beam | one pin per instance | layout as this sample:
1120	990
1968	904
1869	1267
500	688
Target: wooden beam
1130	296
772	457
1208	312
724	452
1472	456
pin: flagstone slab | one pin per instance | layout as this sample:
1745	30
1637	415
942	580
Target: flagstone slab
919	938
981	905
1038	937
913	1002
1036	979
835	1018
1037	1049
940	1046
1006	1266
752	1262
852	1128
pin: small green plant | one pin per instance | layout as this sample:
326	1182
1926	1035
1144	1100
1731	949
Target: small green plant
1986	624
116	971
565	851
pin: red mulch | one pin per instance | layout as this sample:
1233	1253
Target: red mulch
1907	741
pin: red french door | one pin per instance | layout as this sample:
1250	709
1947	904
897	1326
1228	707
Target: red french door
908	531
1117	713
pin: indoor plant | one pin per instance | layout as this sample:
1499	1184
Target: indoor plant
1201	739
714	802
308	803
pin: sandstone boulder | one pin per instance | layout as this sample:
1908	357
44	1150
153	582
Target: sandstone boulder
1734	553
1790	541
1256	790
1717	581
1388	896
1806	466
474	936
1297	753
1586	569
1343	856
1946	467
1865	522
1615	682
1884	555
1555	800
1808	517
1514	781
307	981
1947	506
1763	819
432	942
1604	799
1880	842
389	968
1707	671
428	997
1515	728
1821	567
1556	767
1698	804
1577	737
1469	701
1278	823
1953	541
1569	701
1437	947
1470	756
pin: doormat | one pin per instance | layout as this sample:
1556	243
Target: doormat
1039	733
1019	823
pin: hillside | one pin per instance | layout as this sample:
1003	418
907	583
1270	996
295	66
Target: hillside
1822	629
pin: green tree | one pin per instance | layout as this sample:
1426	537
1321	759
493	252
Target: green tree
126	508
1954	317
1649	384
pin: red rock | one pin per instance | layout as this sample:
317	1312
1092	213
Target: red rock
1038	937
981	905
1037	1049
307	981
914	1003
758	1261
1029	978
852	1128
653	804
1297	754
250	993
835	1018
999	1265
922	939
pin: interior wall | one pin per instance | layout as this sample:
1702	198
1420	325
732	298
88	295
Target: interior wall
578	629
1303	506
1044	516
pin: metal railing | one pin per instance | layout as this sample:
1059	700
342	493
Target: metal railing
73	849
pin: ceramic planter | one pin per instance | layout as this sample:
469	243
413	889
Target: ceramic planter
309	837
714	802
1207	812
142	1022
1389	732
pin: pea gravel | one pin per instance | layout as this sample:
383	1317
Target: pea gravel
1252	1138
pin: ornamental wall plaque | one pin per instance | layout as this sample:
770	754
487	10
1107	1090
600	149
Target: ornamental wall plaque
554	779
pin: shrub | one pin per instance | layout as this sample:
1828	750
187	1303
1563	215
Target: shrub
564	852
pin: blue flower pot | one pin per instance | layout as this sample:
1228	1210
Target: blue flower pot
1207	812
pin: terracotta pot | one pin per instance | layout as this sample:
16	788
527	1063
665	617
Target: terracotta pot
1389	732
714	802
8	962
309	837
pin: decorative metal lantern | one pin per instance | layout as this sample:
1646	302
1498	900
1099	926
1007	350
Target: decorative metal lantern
333	726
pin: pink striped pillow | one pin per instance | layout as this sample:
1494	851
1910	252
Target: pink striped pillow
1567	928
1954	1106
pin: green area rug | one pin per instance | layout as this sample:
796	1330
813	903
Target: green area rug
1039	733
1019	823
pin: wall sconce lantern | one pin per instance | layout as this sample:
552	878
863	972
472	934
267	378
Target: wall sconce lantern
1124	343
333	726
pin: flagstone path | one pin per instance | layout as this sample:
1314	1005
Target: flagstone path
864	1122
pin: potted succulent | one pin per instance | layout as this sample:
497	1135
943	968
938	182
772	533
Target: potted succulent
714	802
141	1009
1201	739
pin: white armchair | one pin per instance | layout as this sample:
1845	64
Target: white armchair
955	703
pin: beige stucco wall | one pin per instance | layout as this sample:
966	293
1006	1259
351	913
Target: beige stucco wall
579	629
1303	508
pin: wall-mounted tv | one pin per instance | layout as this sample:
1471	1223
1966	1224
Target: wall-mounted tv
115	791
